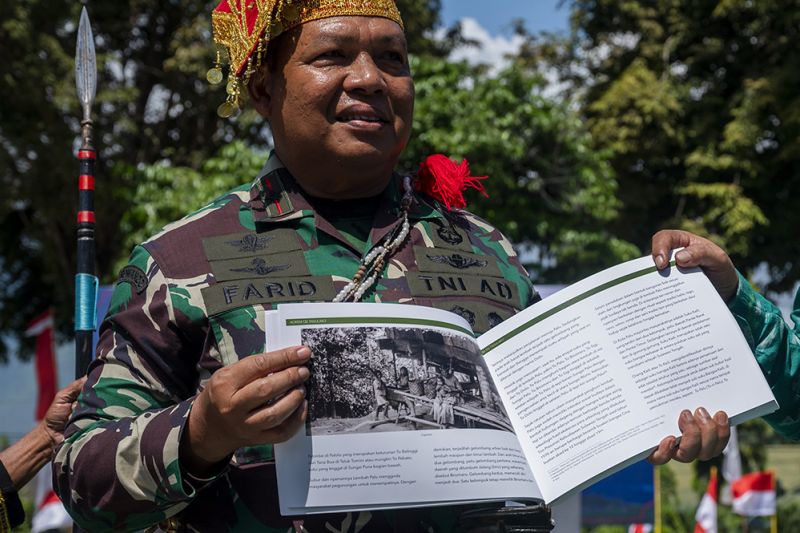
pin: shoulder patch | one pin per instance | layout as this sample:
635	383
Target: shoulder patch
135	276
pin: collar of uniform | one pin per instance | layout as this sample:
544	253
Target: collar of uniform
275	196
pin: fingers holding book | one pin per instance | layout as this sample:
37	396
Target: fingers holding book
258	400
697	252
702	437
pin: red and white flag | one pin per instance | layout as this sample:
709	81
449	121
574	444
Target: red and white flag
754	494
41	327
640	528
731	467
706	515
50	513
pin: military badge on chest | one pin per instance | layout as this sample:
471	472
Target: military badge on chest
253	268
465	313
458	261
449	235
250	243
261	267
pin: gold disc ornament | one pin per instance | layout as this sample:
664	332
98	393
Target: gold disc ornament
214	76
226	109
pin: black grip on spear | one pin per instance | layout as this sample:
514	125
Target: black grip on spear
86	283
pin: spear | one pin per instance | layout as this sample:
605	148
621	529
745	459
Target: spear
86	282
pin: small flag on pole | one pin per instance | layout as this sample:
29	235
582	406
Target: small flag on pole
50	513
706	516
41	327
731	467
754	494
640	528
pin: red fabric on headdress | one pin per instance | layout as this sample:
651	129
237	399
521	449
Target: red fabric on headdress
250	12
445	181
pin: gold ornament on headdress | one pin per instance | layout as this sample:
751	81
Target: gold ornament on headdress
244	27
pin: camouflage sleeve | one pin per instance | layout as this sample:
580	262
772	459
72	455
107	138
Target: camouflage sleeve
777	350
118	467
491	240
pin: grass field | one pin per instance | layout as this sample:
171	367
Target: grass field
784	459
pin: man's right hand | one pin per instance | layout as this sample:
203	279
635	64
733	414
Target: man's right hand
258	400
697	251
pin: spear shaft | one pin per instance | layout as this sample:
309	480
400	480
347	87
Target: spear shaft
86	282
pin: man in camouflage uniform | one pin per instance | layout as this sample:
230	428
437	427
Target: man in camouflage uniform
192	301
182	406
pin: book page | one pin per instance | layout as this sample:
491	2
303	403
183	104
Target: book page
596	375
402	413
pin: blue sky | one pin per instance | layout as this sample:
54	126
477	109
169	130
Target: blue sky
489	24
495	16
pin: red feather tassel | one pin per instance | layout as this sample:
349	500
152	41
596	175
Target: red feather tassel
445	181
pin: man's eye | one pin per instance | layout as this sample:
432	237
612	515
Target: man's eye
331	54
395	56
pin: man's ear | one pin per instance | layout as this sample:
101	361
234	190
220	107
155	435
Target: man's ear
259	89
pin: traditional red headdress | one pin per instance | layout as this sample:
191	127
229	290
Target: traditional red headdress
244	27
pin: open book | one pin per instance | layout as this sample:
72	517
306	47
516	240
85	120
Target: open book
407	408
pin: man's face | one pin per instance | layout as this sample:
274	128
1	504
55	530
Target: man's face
340	92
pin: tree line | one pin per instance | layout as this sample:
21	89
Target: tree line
668	114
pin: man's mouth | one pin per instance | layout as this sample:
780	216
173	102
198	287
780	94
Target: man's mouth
360	118
361	115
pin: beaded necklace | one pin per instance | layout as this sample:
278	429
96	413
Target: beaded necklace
373	262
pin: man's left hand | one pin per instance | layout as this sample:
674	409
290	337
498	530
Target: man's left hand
702	437
57	415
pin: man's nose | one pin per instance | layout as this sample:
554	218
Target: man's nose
365	76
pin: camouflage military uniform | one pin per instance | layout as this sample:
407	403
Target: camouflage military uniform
192	300
776	347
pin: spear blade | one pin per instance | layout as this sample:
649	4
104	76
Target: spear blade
85	65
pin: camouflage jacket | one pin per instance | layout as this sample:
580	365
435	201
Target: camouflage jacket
192	299
776	347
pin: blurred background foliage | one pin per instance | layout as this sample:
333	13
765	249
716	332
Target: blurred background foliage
646	115
698	103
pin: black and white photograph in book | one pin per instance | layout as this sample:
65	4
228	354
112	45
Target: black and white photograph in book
369	379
